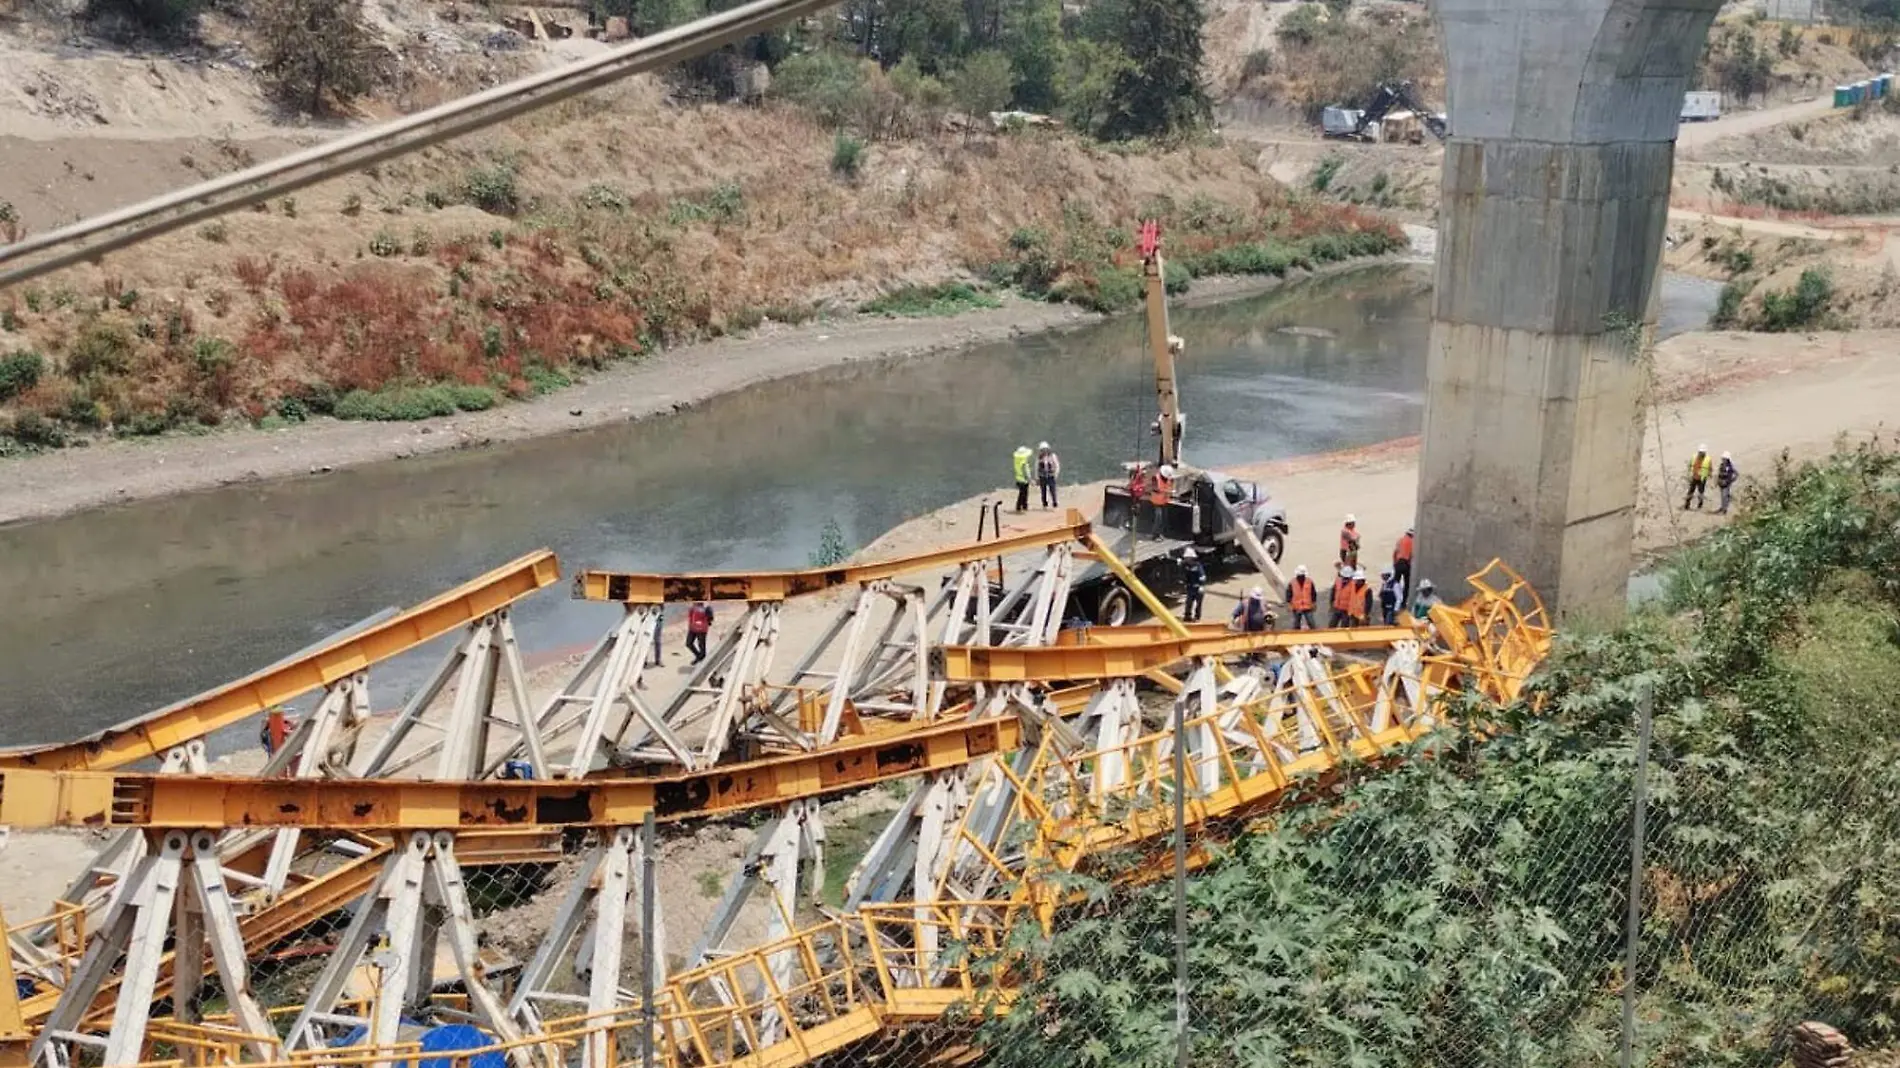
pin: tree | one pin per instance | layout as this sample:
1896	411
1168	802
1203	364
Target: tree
1161	93
315	51
1743	65
1090	70
1033	36
982	85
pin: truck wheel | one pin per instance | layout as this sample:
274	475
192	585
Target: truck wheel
1112	610
1274	542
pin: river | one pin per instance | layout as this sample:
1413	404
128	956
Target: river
117	611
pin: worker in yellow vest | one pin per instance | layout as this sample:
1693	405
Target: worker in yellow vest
1700	468
1021	459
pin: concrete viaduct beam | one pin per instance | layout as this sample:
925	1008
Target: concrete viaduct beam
1563	118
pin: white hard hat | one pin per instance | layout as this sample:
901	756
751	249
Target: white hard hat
1385	572
1726	456
1351	519
1167	470
1359	573
1424	585
1300	570
1043	445
1702	448
1256	593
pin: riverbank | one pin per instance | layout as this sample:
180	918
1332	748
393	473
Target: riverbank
1753	395
120	471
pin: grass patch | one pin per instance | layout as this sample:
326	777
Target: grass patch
408	403
712	885
945	298
846	842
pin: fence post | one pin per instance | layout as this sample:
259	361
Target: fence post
1633	923
1180	885
649	1012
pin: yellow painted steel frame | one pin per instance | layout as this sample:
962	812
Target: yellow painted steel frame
1115	660
639	588
151	736
38	799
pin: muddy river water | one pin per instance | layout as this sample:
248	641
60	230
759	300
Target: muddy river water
114	612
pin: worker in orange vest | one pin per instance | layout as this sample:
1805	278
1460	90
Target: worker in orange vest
1340	599
1349	542
1359	609
1301	597
1402	562
1163	485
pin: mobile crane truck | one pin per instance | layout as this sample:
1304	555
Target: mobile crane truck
1168	509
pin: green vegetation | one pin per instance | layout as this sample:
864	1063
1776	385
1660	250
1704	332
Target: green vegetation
1328	58
1469	908
1735	61
1804	306
832	549
1090	264
847	155
404	403
315	54
945	298
712	885
846	842
1122	69
19	372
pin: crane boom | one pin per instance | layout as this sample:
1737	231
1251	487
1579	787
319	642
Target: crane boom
1164	345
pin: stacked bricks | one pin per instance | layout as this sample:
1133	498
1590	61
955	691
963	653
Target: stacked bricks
1816	1045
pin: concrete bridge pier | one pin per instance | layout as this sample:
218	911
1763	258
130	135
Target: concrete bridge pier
1563	119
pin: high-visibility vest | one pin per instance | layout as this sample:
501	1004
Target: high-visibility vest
1022	464
1700	466
1303	595
1404	552
1164	489
1361	600
1348	540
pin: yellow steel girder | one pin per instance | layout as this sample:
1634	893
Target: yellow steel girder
641	588
30	798
1115	660
151	736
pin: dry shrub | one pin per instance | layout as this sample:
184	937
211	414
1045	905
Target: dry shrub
252	272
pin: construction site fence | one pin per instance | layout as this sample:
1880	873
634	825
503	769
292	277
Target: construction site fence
1610	906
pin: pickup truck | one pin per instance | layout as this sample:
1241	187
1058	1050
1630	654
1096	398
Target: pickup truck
1153	541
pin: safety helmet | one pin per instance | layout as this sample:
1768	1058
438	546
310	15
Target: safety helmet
1167	470
1359	573
1351	519
1300	570
1425	586
1702	448
1256	593
1726	456
1411	530
1043	445
1385	572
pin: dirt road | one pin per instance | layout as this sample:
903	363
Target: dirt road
1694	135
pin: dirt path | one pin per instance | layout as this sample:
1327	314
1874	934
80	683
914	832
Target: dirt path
1742	123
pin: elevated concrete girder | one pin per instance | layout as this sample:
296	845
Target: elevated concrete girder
1563	118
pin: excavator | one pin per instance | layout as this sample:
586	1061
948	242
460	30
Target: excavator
1168	508
1369	124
